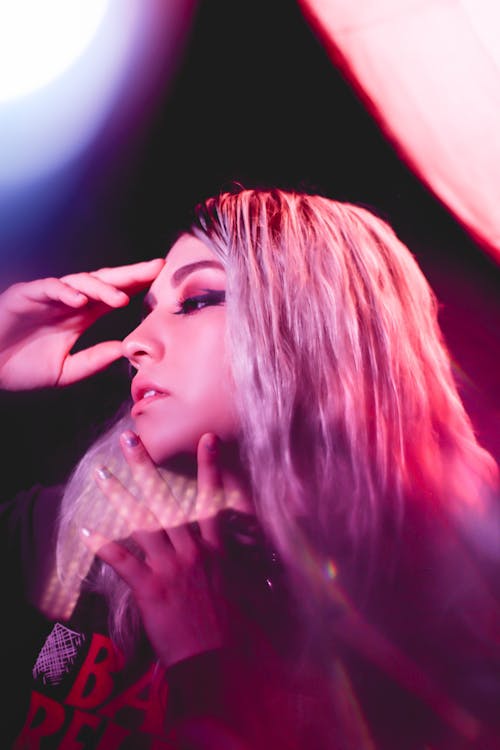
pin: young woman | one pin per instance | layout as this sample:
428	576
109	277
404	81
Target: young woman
289	538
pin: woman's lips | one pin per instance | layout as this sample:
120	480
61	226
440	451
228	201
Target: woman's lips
142	388
145	396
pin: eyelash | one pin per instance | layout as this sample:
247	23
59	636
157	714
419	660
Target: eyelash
196	303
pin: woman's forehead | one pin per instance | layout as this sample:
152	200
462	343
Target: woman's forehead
187	249
187	255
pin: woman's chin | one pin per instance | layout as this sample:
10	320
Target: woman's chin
182	459
184	463
174	455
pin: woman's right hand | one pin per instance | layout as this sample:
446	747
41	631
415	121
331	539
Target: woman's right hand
40	321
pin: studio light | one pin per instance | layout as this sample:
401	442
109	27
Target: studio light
40	40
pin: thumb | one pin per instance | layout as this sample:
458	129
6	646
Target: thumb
89	361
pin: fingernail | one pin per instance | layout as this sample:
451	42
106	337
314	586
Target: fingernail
130	439
102	472
211	443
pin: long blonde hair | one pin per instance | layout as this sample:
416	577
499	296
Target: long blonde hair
346	397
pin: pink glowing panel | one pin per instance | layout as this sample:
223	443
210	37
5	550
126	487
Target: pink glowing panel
68	69
429	72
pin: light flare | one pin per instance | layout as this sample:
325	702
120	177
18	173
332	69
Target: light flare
39	41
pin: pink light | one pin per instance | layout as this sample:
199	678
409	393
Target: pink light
430	74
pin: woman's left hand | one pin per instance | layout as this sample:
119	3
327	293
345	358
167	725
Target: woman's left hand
177	587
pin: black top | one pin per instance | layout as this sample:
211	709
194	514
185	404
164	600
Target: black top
413	672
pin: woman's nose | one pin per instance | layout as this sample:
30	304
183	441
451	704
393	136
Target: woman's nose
141	345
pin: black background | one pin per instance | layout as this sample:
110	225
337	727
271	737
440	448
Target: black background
255	100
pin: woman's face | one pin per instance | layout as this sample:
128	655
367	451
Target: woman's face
183	386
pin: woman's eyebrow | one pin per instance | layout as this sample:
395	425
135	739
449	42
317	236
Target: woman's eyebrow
150	301
184	271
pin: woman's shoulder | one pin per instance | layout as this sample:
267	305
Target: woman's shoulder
30	517
27	500
28	523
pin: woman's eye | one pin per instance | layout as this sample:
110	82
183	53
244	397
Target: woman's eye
198	302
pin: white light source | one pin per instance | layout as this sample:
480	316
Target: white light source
40	40
72	71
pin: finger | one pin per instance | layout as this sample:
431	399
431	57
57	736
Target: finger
133	571
155	491
157	496
184	542
133	277
96	289
89	361
43	291
144	526
217	489
210	498
136	515
142	523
